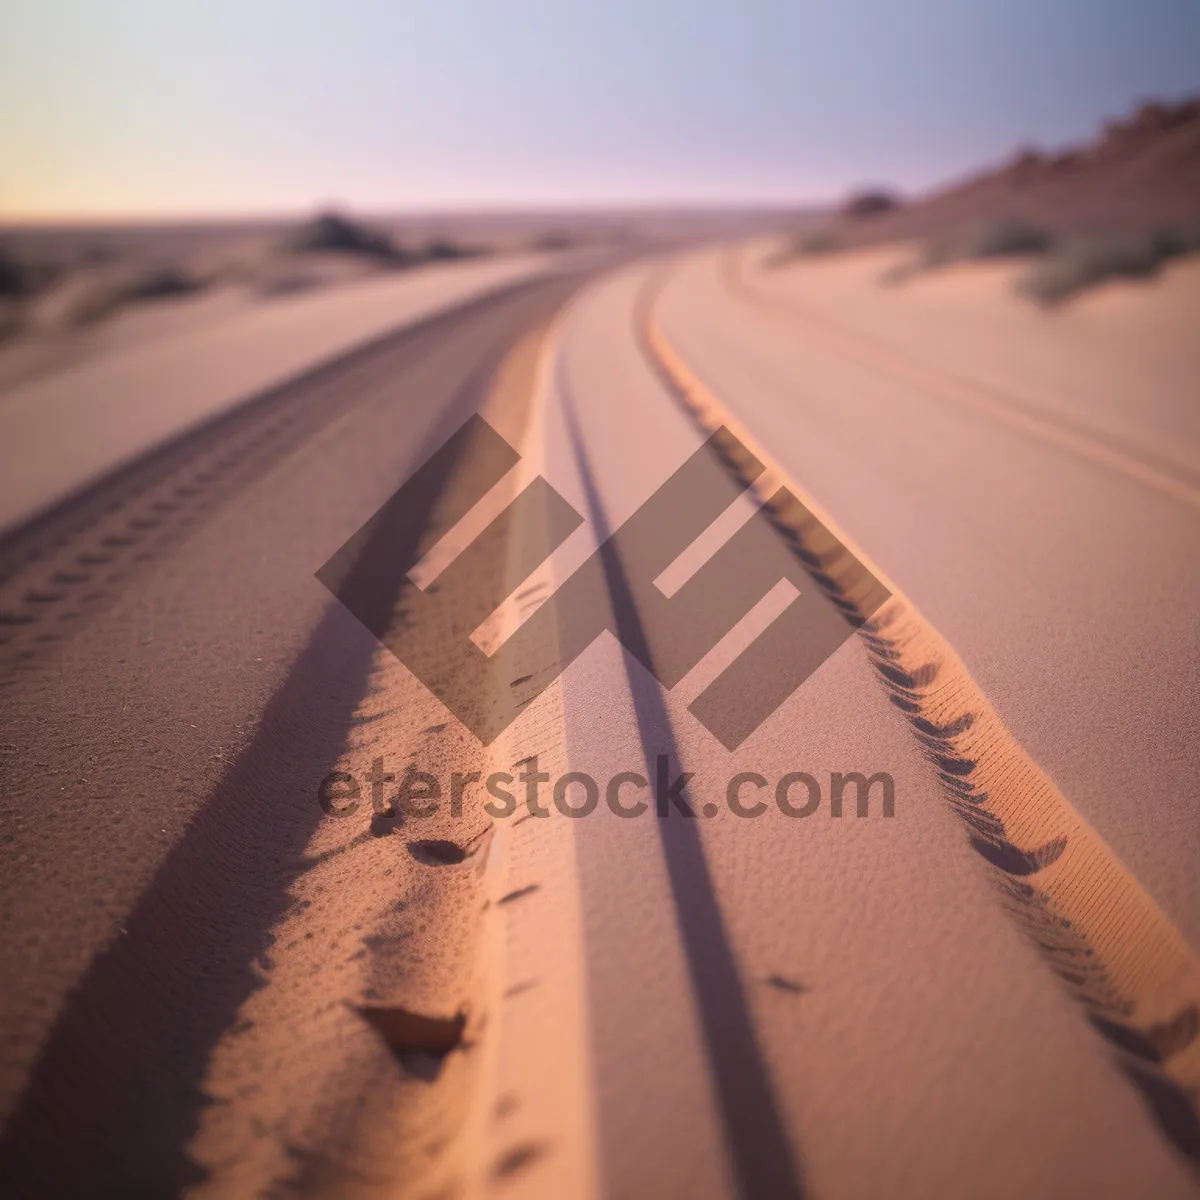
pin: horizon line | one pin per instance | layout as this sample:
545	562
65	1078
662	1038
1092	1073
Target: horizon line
488	208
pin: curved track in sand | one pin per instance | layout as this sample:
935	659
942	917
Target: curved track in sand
231	982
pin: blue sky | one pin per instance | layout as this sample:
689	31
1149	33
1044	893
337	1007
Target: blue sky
192	106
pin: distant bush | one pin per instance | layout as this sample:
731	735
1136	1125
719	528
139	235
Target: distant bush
104	297
156	282
284	283
1029	162
1084	262
442	249
873	202
803	245
330	231
999	239
820	242
12	318
93	304
1007	239
553	239
14	276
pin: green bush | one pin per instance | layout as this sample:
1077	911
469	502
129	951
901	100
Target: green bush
803	245
1084	262
998	239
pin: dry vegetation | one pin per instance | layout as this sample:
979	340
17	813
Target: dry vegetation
1119	207
62	279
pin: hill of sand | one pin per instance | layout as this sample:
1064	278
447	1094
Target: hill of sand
1141	171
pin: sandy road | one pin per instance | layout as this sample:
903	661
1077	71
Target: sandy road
705	1006
1073	581
855	978
163	754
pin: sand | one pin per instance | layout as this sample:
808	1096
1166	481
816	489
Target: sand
66	429
770	1006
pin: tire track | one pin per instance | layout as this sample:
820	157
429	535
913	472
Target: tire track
404	1122
121	1081
1087	916
1077	438
72	562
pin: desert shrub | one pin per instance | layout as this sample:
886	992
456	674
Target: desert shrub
1179	240
802	245
94	303
1028	162
872	202
441	249
12	317
100	298
285	283
330	231
998	239
154	283
553	239
902	272
820	242
1084	262
14	277
1005	239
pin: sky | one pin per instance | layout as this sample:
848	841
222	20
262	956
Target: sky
189	107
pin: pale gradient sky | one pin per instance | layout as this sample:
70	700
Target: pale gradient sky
192	106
